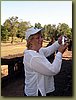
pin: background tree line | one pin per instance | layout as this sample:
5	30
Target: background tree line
12	27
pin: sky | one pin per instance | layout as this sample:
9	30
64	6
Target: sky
44	12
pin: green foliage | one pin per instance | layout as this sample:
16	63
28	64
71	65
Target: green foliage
38	25
22	26
15	28
4	34
12	27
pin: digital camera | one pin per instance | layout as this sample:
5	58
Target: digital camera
64	39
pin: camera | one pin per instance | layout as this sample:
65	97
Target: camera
64	40
67	40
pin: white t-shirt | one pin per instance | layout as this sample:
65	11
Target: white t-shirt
39	71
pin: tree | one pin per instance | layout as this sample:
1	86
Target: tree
4	33
38	25
11	26
64	29
22	26
49	31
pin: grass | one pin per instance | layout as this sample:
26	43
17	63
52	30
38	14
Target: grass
12	49
16	48
8	49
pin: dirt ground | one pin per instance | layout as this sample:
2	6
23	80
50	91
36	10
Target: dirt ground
63	81
8	49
